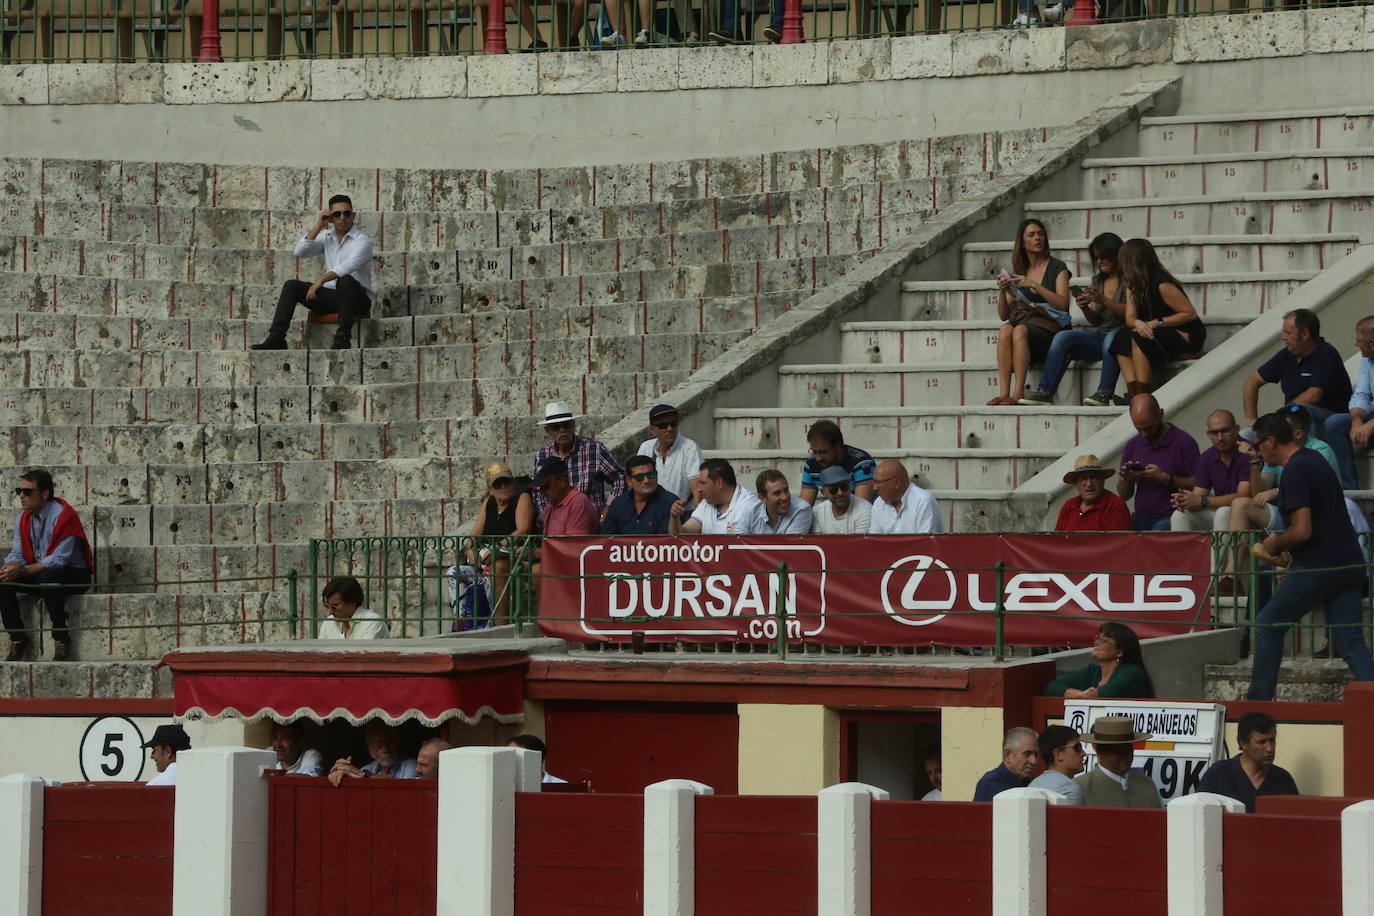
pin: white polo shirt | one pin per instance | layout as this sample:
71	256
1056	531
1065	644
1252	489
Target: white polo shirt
920	514
675	472
738	518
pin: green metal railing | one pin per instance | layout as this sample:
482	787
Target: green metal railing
170	30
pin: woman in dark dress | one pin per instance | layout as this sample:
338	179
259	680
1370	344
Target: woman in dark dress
1033	301
1161	323
505	512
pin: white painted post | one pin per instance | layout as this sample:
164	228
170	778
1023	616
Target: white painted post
219	856
529	770
844	842
1357	859
476	842
21	845
670	846
1193	836
1019	886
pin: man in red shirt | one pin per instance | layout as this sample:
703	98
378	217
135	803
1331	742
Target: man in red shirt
1095	508
567	510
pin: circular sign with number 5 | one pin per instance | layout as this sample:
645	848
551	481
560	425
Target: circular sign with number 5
112	751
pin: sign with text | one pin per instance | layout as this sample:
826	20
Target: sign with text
1185	738
890	590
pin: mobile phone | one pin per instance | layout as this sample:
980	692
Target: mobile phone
1133	466
1077	291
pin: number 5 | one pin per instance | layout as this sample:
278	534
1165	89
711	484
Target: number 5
109	750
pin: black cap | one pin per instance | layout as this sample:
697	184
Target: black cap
661	412
552	467
173	736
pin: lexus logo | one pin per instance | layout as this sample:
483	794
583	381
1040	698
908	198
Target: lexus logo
910	574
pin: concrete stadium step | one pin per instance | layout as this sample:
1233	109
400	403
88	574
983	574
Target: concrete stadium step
877	428
1296	212
922	342
1188	135
1228	174
1302	679
1187	254
115	680
200	568
932	468
1220	295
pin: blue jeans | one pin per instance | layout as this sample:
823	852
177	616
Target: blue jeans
1142	521
1336	432
1088	346
729	14
1300	591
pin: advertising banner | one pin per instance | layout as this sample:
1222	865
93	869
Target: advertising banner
890	590
1185	738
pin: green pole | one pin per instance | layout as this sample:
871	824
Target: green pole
1000	611
314	584
291	592
781	612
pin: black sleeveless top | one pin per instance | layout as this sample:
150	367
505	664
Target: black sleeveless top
1154	308
500	523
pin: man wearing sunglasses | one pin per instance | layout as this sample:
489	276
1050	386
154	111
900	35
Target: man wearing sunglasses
590	465
645	508
676	458
50	548
839	512
1063	755
345	287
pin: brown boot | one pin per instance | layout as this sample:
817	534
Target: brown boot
1135	388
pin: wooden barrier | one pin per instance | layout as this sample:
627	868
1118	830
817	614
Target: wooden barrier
939	853
577	854
1306	805
1099	853
1281	864
756	854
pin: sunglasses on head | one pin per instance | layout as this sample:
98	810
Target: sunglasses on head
25	491
646	475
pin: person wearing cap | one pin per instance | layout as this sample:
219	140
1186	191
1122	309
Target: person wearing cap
1095	508
1062	752
779	513
1157	462
507	511
589	465
676	458
567	509
646	507
828	450
839	512
1112	783
724	507
1252	772
348	619
167	740
1020	758
1221	476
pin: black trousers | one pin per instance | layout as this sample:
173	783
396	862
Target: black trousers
348	299
76	581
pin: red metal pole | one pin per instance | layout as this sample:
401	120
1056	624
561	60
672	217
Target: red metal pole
792	23
210	50
1084	14
496	27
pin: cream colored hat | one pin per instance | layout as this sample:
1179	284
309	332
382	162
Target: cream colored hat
1088	464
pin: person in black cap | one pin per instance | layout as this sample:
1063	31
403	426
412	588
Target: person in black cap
676	458
167	740
567	510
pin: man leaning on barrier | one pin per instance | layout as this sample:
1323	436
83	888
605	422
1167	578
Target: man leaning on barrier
646	507
348	619
901	506
385	750
840	512
779	513
724	507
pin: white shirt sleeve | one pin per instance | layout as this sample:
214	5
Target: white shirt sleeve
309	248
926	517
863	516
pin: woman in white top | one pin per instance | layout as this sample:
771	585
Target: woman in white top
348	619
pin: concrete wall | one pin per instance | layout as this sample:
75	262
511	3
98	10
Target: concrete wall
970	745
787	750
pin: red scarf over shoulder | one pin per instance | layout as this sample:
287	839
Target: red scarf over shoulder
68	525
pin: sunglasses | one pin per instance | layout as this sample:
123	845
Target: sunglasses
501	482
340	213
666	424
566	424
1076	747
25	491
831	489
647	475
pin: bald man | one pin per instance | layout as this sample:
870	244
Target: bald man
1155	465
901	506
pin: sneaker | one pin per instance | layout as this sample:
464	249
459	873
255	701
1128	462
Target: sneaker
721	36
1021	21
772	34
1099	399
1053	13
271	343
535	47
614	40
18	649
1036	398
646	38
338	344
61	650
1119	401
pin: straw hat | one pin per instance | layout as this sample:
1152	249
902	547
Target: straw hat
1087	464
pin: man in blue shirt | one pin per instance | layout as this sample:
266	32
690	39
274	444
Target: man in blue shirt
1345	432
50	548
1327	566
1252	772
826	443
645	507
1308	369
1020	759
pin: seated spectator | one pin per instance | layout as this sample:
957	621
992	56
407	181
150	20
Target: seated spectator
1020	758
724	33
1161	323
1252	772
427	761
934	774
385	751
1063	754
567	510
1117	669
288	743
1309	371
1094	508
348	619
1155	463
589	465
506	512
902	507
167	740
839	512
535	743
645	507
1033	301
724	507
828	450
1221	475
1354	428
1112	783
676	458
779	513
1104	306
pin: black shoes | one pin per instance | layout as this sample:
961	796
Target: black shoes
18	649
61	650
271	343
341	344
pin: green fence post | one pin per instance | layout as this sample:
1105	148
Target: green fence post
314	584
781	612
1000	648
292	597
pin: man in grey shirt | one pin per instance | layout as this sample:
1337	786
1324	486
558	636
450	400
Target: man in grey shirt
1063	755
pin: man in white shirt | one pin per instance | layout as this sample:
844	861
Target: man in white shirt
901	506
535	743
779	512
288	743
345	287
676	458
725	507
166	741
385	750
1064	758
839	512
348	619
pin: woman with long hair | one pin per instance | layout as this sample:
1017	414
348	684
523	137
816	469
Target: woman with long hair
506	512
1161	323
1117	669
1033	301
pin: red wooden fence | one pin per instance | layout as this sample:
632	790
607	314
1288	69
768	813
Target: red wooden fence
107	848
576	855
364	847
755	854
1310	805
937	853
1097	854
1279	864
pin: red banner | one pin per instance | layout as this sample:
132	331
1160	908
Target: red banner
887	591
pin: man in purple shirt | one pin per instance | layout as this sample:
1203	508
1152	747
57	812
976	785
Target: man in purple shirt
1158	462
1222	474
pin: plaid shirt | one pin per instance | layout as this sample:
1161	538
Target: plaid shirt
590	467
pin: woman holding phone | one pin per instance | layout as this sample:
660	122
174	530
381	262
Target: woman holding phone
1033	301
1161	323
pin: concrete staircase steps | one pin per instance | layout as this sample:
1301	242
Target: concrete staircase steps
1189	135
1227	174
